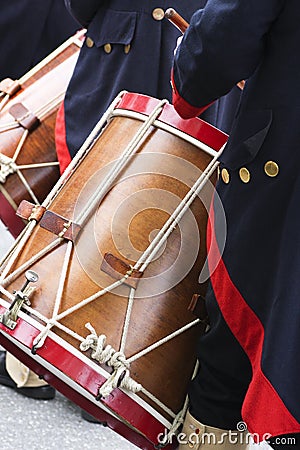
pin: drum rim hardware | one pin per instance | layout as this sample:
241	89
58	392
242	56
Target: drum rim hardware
9	318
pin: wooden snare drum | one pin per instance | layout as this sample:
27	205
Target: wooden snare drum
28	107
112	259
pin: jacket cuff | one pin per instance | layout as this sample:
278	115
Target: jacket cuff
183	108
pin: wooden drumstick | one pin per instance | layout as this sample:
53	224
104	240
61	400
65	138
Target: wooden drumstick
179	22
176	19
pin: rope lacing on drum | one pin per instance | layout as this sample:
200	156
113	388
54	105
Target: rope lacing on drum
4	101
120	164
115	359
9	166
16	169
179	418
54	321
40	112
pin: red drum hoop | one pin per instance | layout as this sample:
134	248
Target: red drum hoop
28	107
117	251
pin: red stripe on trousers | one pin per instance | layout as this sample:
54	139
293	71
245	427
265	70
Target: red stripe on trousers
263	410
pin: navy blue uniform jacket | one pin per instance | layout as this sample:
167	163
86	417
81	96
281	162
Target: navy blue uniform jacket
129	46
29	31
256	280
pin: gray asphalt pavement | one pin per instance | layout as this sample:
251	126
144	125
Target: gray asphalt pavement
51	425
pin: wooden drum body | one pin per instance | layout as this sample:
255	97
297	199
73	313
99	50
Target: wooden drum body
28	108
118	250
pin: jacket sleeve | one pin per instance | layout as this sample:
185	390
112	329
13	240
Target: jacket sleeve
223	45
84	10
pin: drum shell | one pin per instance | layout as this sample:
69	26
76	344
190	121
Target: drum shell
165	371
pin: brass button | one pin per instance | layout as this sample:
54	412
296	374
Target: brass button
107	48
126	48
225	175
89	42
271	168
158	14
244	175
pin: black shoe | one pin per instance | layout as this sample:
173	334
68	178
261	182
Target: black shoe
89	418
39	393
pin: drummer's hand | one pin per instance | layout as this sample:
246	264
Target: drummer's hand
177	44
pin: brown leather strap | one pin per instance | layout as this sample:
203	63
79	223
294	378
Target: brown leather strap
9	86
30	211
60	226
24	117
198	307
116	268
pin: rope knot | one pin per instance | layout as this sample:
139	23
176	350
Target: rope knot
7	167
120	377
